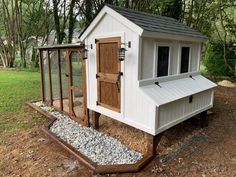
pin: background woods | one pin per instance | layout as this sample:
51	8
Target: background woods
26	24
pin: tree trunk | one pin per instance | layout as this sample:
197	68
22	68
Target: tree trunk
232	70
72	21
57	21
127	3
88	11
3	61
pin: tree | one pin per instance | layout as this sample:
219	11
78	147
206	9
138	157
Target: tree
214	61
8	36
228	27
65	12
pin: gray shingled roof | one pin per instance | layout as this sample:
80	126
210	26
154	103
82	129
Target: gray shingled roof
157	23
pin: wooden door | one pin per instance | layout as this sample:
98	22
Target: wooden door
108	73
76	79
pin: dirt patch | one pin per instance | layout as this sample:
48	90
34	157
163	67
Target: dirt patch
185	150
226	83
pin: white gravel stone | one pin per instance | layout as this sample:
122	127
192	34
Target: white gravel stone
100	148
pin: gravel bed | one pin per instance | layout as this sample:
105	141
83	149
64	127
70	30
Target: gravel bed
97	146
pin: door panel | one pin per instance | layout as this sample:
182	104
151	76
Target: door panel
109	95
76	70
75	86
108	58
108	73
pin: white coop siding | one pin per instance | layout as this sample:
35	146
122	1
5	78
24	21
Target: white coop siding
135	110
147	60
200	101
171	113
175	58
107	27
194	57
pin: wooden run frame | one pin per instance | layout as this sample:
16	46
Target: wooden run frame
68	49
121	168
102	169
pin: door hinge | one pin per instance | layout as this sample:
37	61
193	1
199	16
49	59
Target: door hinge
97	103
97	76
96	41
121	73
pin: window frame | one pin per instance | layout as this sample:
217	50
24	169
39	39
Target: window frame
155	66
179	57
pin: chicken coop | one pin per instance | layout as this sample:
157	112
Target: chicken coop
144	70
140	69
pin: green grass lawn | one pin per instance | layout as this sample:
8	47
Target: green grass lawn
16	88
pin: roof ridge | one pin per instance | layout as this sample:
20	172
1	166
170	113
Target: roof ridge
125	12
153	22
141	12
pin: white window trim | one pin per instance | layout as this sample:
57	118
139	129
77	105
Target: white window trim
155	60
179	57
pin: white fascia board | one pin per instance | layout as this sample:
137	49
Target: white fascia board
177	37
117	16
137	29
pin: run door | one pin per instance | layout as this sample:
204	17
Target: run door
108	73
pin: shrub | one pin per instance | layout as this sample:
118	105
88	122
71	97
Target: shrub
214	59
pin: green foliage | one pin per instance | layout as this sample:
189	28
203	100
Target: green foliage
171	8
214	59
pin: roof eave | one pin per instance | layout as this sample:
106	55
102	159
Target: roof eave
173	36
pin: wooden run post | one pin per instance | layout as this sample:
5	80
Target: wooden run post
59	79
50	78
41	74
95	119
69	75
153	141
86	110
203	119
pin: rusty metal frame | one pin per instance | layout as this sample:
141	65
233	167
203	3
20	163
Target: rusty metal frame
103	169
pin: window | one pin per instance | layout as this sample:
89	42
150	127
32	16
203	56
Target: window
185	53
163	61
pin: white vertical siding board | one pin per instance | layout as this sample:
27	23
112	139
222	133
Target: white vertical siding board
179	58
195	57
155	61
148	57
176	121
140	41
199	56
175	58
182	108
